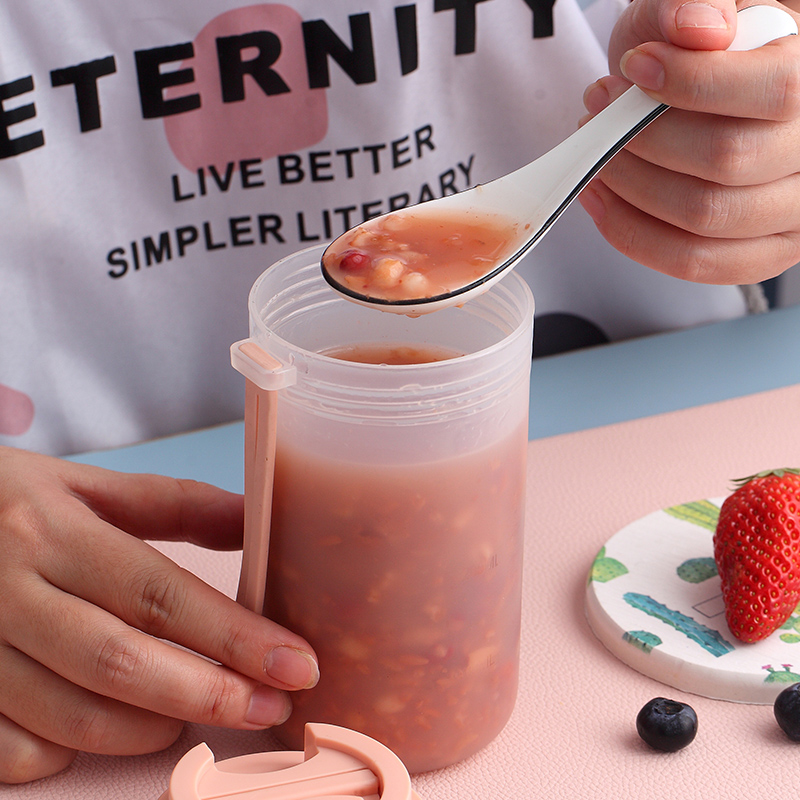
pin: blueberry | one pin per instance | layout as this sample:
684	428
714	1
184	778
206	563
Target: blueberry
667	724
787	711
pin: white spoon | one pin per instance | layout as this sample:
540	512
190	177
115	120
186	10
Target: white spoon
534	196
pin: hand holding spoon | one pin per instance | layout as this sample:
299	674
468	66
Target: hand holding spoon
446	251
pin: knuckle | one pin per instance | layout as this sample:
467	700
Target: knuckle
695	261
101	727
732	154
786	93
87	726
237	639
120	664
158	601
710	210
25	521
218	704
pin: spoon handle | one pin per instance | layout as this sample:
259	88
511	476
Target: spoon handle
575	161
582	155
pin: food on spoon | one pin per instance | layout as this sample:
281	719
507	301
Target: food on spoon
787	711
757	551
667	725
413	255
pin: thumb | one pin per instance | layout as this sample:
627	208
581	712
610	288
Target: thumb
694	25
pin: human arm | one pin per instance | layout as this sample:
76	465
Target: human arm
88	611
713	196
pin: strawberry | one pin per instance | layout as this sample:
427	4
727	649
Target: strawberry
757	551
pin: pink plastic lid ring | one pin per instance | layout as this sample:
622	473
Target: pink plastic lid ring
336	764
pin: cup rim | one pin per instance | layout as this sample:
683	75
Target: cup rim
513	286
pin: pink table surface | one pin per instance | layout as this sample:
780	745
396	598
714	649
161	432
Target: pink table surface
572	734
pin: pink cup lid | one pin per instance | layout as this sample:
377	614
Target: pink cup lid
336	764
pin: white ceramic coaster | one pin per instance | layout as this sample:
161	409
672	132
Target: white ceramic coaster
654	599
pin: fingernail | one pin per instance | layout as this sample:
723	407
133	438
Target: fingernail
643	69
593	204
291	667
700	15
268	707
596	98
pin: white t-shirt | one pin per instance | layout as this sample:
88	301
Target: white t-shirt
156	156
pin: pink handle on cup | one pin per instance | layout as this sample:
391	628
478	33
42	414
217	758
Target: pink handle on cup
265	375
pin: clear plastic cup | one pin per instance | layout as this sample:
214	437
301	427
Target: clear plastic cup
397	511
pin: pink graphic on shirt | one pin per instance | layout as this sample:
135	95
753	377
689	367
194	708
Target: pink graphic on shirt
261	125
16	411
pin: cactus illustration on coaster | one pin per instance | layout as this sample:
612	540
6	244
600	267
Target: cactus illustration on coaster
791	628
776	676
709	639
644	640
697	570
700	512
605	568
